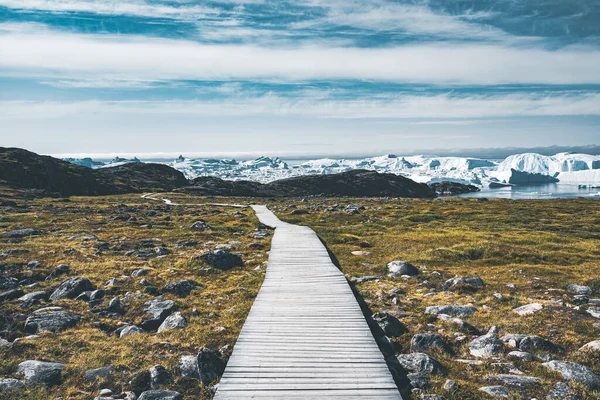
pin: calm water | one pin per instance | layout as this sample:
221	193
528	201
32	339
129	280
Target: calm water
550	191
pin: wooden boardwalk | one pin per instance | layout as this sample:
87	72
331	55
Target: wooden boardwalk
305	336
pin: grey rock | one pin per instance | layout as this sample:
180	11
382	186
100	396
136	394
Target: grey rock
398	268
33	296
519	381
210	365
472	282
389	324
513	339
173	321
159	376
419	363
575	372
495	391
463	325
222	259
422	342
34	264
11	294
357	280
34	372
19	233
8	384
579	289
130	330
593	346
534	342
450	385
51	321
161	251
200	226
520	356
93	374
188	367
456	311
160	395
71	288
488	345
182	288
115	305
562	391
4	343
140	272
419	381
160	310
528	309
430	397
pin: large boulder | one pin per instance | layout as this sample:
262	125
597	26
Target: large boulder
575	372
50	321
35	372
159	309
488	345
222	259
398	268
71	288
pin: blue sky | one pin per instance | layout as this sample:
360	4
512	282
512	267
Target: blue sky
296	78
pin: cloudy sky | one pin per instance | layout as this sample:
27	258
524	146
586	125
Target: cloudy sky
301	77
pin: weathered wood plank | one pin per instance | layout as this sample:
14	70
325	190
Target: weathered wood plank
305	336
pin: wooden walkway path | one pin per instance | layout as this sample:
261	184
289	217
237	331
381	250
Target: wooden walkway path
305	336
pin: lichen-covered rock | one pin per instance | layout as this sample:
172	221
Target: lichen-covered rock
472	282
422	342
496	391
9	384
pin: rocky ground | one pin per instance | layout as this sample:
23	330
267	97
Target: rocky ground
120	297
473	299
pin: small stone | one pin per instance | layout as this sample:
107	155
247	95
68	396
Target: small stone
173	321
450	385
520	356
159	376
425	341
472	282
93	374
495	391
528	309
160	395
130	330
579	289
488	345
456	311
9	384
419	363
398	268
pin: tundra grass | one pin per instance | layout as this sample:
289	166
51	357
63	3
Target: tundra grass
539	246
215	314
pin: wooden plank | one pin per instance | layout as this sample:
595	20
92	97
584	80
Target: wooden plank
305	336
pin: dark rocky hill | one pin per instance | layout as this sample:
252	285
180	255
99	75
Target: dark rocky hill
356	183
27	170
447	188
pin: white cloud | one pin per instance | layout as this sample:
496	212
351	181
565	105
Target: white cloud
404	107
73	56
112	7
